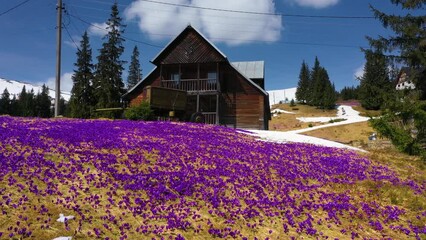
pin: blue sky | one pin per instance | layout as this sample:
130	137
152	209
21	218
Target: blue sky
28	35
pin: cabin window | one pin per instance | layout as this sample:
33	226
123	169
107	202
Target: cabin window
212	77
175	77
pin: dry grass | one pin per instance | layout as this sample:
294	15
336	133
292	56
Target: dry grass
286	122
367	113
351	134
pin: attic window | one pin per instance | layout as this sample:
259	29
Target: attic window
175	77
212	77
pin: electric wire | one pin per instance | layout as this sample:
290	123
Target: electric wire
69	35
248	12
127	38
13	8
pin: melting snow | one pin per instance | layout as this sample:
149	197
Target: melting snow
346	112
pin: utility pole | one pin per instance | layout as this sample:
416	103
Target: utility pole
58	58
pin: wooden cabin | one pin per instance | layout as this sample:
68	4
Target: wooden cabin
196	82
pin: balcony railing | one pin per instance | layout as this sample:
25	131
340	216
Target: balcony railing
191	85
209	117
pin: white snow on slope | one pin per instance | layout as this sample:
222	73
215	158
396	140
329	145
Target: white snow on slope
343	112
281	95
275	111
15	87
346	112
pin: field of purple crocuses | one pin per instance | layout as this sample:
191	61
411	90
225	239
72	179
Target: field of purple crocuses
163	180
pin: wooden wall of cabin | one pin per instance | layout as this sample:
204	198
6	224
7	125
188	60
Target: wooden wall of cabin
141	94
242	105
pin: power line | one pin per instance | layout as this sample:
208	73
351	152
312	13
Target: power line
69	35
251	12
130	39
15	7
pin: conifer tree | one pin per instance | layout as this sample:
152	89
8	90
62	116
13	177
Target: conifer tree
108	82
303	86
135	70
5	102
14	107
330	96
374	83
404	114
43	103
82	95
315	93
26	103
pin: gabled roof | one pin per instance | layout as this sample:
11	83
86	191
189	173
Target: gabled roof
250	81
248	69
139	83
252	69
188	28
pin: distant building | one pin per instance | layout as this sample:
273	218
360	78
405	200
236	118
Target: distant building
405	78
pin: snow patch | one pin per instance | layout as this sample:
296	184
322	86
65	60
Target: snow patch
343	111
281	111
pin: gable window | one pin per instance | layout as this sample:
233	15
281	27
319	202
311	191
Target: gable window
212	77
175	77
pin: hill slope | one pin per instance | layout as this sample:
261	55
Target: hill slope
15	87
143	180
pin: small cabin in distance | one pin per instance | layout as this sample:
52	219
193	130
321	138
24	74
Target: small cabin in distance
197	82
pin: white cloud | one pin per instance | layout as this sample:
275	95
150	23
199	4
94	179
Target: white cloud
315	3
74	42
98	29
359	72
66	82
163	21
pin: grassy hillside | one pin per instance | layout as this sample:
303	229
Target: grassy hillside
143	180
355	134
286	122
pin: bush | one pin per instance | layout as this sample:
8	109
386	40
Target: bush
292	103
141	112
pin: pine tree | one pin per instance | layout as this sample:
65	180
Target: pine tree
135	70
315	93
25	102
404	113
330	96
349	93
303	85
108	82
14	106
375	83
82	95
5	102
43	103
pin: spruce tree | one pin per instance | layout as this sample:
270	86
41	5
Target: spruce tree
43	103
5	102
26	103
135	70
108	82
303	85
330	96
82	95
374	83
315	93
404	113
14	107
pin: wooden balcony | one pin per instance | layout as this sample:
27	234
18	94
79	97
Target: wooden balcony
210	117
192	85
